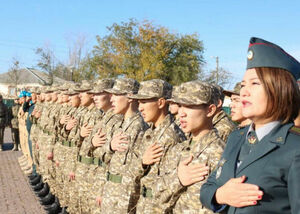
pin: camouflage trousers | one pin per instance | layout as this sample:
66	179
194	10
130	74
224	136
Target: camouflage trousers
83	186
35	151
97	177
58	161
116	196
69	191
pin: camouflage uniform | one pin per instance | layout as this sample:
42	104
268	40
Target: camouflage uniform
223	124
208	149
150	182
118	177
221	121
15	125
97	174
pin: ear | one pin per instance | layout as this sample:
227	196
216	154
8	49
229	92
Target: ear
211	110
161	103
220	103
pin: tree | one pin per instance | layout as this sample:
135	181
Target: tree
46	62
144	51
14	72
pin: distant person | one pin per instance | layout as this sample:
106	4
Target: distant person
14	122
3	120
236	106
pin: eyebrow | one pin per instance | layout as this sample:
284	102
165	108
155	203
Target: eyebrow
254	78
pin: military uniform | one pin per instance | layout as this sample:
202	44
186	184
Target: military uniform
3	120
15	125
223	124
270	159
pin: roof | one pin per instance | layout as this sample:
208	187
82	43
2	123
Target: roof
29	75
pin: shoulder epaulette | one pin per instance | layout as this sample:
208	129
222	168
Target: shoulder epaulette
295	130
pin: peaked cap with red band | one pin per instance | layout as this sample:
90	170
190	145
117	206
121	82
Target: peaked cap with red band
262	53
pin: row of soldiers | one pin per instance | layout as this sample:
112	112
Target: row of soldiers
119	146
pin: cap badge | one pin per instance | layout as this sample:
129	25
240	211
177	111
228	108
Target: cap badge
250	54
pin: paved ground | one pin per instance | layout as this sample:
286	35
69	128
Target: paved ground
16	196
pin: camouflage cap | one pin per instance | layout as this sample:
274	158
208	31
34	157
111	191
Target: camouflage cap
194	93
102	85
84	86
175	91
155	88
48	89
64	87
236	90
124	86
71	91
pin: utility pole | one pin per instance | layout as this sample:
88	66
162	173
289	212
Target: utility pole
217	69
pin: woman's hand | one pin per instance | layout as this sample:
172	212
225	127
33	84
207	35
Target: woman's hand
236	193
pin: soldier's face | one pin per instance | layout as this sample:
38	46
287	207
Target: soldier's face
75	100
253	97
65	98
236	108
54	97
194	118
34	97
85	98
102	101
120	104
22	99
149	109
173	108
48	97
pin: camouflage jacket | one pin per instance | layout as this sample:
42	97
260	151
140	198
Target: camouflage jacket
223	124
134	127
91	118
207	150
108	123
155	177
14	116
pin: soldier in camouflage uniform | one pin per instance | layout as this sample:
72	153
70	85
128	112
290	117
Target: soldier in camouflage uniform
204	148
15	124
221	121
3	120
100	138
173	107
72	144
121	151
62	178
157	159
236	107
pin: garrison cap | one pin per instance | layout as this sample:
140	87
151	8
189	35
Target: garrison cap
155	88
262	53
236	90
102	85
124	86
83	87
194	93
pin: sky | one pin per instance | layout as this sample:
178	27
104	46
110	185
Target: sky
224	26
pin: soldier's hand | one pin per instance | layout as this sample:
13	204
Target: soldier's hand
119	142
71	124
72	176
37	146
99	139
189	173
152	154
38	114
65	119
98	201
50	156
236	193
85	130
57	164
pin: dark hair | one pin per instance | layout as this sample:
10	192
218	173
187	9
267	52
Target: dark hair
283	93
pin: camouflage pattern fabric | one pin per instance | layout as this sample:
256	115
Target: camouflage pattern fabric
223	124
153	179
118	201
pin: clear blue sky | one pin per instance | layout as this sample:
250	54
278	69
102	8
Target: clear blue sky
224	26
